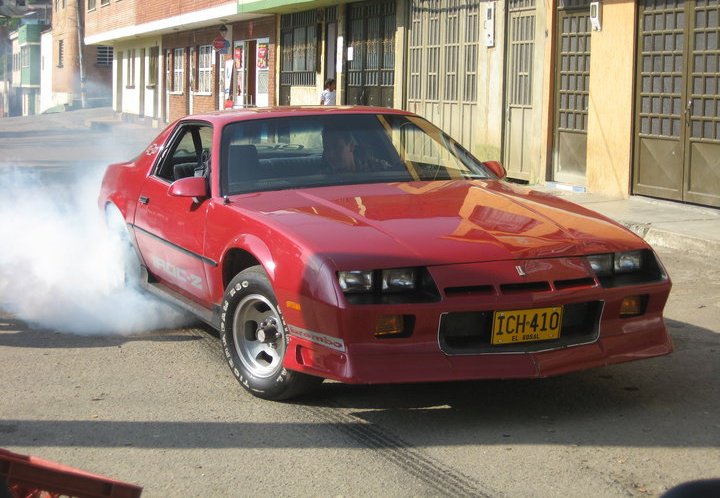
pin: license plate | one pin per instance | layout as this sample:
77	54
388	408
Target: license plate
534	324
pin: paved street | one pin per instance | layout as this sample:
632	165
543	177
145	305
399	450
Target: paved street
159	408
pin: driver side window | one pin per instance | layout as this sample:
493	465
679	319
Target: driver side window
189	154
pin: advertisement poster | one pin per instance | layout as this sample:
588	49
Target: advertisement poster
262	55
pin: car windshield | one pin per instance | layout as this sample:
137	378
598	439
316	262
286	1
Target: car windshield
338	149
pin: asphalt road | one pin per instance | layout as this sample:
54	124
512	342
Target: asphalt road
160	408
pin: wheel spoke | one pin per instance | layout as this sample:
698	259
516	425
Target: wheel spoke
258	335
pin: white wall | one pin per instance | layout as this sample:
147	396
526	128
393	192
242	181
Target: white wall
131	96
46	65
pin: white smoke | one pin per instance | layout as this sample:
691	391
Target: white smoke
60	269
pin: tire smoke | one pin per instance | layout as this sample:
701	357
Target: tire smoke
60	268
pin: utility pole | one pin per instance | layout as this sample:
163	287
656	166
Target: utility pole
83	98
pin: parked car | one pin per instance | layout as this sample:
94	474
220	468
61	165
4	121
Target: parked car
365	245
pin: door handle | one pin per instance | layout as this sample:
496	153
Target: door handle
144	200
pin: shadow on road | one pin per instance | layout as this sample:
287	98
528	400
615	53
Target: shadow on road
663	402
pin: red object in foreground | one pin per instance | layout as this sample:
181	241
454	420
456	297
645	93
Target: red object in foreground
32	477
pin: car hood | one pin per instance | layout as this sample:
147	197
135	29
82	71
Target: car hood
442	222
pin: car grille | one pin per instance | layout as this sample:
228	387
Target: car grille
469	332
520	287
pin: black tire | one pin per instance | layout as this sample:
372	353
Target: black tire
254	338
132	268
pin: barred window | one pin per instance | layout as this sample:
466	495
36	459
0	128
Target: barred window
205	63
153	66
298	33
61	53
104	55
178	69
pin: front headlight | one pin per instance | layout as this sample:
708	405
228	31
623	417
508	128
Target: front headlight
398	280
390	285
626	268
601	264
626	262
619	262
355	281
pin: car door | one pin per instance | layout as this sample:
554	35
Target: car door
170	230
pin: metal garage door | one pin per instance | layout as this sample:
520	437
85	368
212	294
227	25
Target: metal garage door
677	117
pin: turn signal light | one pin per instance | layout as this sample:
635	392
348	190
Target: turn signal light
389	325
632	306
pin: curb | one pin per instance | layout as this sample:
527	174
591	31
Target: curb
672	240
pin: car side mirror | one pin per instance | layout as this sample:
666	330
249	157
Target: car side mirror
193	186
496	168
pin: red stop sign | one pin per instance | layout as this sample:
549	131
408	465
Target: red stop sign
219	43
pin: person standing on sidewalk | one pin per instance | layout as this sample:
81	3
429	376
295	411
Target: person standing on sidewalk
327	97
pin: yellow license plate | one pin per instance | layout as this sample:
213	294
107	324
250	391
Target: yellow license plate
534	324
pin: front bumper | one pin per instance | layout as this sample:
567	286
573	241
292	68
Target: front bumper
439	349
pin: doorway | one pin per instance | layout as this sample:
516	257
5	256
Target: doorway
572	84
251	72
370	75
519	97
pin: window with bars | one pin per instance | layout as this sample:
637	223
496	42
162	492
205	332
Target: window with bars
298	35
178	70
205	65
104	55
61	53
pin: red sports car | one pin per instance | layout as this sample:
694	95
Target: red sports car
367	246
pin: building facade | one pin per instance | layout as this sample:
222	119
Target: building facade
617	97
81	74
25	93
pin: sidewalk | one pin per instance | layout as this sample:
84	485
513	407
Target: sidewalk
662	223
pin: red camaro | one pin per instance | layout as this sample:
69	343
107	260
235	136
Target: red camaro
365	245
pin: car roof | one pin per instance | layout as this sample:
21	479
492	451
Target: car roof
231	115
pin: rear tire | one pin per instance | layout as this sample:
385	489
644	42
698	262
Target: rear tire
254	338
131	266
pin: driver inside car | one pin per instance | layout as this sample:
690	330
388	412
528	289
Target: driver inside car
341	154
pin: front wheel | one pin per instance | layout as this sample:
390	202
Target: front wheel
254	338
